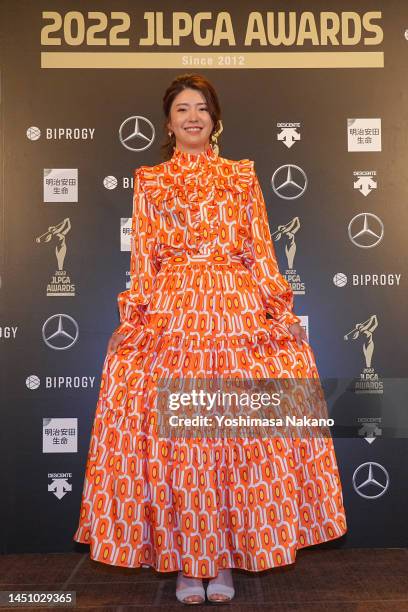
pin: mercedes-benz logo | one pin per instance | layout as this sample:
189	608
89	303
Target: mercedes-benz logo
60	332
366	230
372	477
289	182
136	133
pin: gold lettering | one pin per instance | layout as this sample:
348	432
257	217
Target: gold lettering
281	28
281	38
307	29
346	38
329	33
160	30
150	38
255	29
224	19
202	41
370	27
180	31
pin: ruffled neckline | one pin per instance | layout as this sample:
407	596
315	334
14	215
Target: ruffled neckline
171	181
192	160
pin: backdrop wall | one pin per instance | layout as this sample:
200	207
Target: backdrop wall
318	97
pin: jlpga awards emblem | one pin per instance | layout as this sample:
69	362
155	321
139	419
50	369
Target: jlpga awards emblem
287	234
60	283
363	331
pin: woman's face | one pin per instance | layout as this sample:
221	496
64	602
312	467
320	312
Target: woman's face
189	109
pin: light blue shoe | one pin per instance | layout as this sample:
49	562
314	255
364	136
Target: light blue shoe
221	589
190	590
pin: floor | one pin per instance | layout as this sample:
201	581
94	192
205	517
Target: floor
339	580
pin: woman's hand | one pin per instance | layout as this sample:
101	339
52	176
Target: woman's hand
114	342
297	330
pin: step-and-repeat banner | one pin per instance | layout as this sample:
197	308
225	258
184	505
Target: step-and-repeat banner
316	93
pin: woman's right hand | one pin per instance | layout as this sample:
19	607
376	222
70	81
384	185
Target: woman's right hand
114	342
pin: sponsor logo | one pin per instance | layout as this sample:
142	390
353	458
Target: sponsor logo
287	234
369	381
59	484
288	133
60	435
60	332
60	283
371	480
364	134
60	185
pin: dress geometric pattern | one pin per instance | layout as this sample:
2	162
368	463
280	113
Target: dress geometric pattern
203	277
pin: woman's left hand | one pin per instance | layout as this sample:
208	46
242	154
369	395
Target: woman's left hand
297	330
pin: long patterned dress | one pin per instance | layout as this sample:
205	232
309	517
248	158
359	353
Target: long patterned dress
203	276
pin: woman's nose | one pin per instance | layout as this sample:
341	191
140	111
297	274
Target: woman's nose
193	115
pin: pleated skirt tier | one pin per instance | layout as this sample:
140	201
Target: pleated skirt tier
201	504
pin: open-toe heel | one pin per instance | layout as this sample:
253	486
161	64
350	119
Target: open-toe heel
221	589
190	590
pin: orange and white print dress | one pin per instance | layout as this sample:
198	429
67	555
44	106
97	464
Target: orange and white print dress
203	276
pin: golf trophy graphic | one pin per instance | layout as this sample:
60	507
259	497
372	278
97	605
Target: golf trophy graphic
369	381
288	231
60	283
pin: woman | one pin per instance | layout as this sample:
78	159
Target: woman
203	276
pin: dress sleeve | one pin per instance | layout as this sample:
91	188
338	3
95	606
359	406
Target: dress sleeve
143	262
260	258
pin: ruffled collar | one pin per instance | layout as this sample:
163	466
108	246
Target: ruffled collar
194	160
165	181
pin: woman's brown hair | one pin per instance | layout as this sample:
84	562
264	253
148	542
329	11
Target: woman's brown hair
190	81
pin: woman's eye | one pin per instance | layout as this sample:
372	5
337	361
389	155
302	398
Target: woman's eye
183	109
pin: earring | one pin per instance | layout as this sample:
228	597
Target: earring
214	138
170	136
